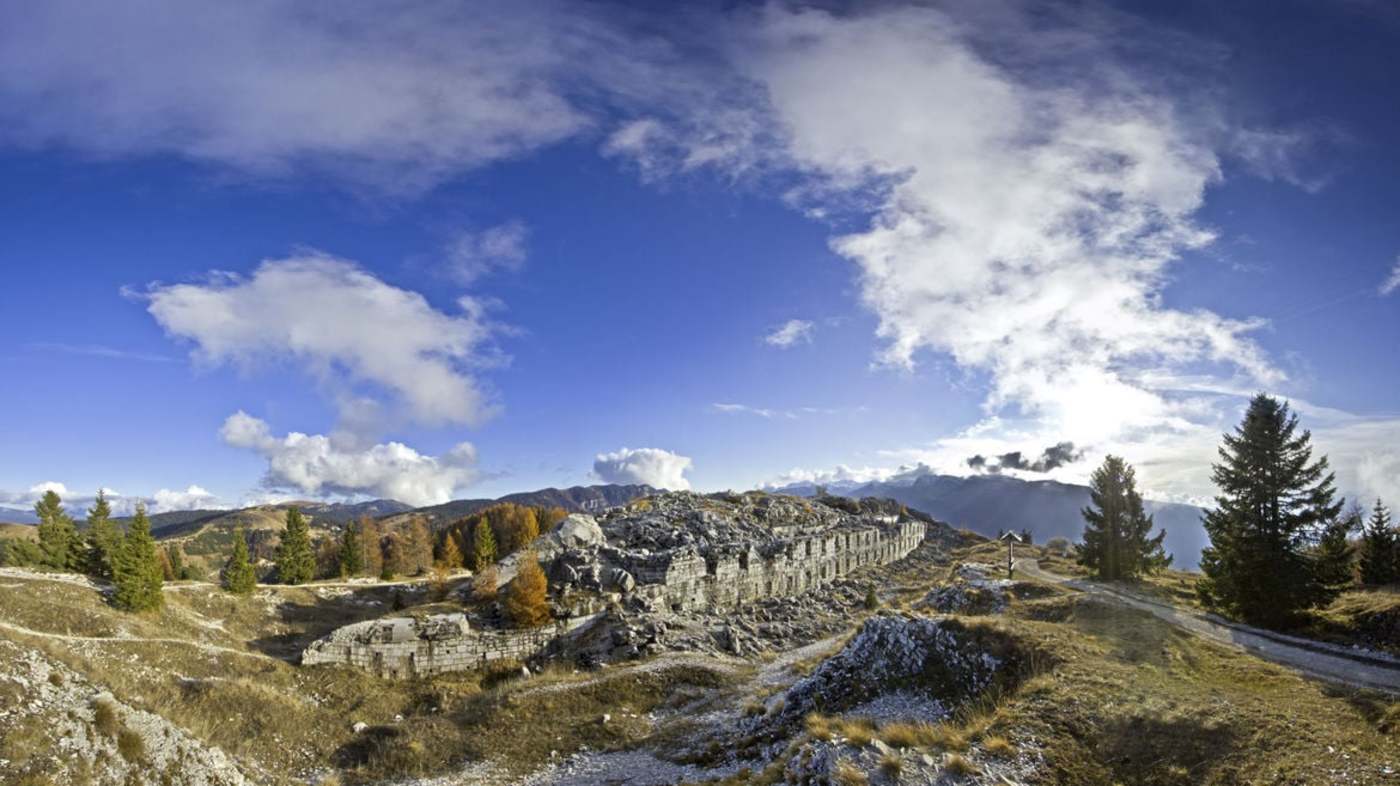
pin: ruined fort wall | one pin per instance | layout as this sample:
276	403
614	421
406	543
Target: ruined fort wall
691	583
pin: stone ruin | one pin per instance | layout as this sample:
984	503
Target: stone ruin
671	553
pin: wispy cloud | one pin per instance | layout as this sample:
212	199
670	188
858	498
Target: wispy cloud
98	350
1392	282
791	333
780	414
471	255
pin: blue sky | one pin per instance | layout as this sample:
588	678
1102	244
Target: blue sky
254	253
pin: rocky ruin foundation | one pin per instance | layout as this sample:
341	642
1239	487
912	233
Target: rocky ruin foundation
671	554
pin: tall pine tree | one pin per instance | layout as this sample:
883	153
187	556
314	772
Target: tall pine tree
352	557
483	545
1118	540
58	538
136	570
296	562
1380	548
102	537
239	577
1274	500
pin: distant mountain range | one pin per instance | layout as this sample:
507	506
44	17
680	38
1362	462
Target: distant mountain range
987	503
575	499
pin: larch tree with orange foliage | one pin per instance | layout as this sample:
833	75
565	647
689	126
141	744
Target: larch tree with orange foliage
527	598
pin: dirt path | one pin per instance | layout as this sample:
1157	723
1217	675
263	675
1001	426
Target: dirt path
210	648
1358	669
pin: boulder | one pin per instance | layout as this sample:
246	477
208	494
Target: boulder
579	530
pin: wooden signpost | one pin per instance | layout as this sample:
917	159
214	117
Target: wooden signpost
1011	540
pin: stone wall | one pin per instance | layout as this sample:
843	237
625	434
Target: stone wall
686	580
404	647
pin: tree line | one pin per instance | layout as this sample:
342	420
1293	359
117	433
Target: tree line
1279	537
126	555
364	548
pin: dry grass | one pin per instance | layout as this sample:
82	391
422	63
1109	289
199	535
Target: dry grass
958	764
999	746
891	765
847	774
131	745
104	717
857	731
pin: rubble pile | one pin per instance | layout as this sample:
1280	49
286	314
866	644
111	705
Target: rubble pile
939	659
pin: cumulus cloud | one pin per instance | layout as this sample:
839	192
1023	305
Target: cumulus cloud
1392	282
316	465
653	466
471	255
1027	192
339	322
791	333
192	498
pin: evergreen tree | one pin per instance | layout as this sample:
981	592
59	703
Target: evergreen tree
239	578
451	555
1332	560
483	545
352	556
296	562
527	599
1118	540
136	570
178	569
102	537
1380	548
393	556
58	538
1273	499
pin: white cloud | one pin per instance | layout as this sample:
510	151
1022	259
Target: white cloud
316	465
77	503
652	466
1028	193
337	320
471	255
791	333
403	97
192	498
1392	282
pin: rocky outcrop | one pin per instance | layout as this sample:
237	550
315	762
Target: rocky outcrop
406	647
893	653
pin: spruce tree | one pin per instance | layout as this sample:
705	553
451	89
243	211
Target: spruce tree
1274	498
1380	548
352	558
239	578
136	571
58	538
296	562
483	545
102	537
1332	560
1118	540
179	571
